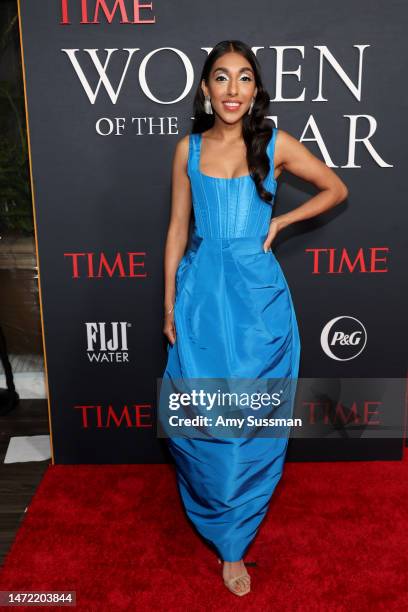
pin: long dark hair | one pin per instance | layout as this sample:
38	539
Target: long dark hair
257	130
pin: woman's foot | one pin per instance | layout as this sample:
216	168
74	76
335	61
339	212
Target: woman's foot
236	577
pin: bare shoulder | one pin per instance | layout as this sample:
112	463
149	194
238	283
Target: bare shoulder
180	158
288	147
285	140
182	146
294	156
181	153
282	142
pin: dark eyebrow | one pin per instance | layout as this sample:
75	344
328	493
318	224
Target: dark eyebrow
240	70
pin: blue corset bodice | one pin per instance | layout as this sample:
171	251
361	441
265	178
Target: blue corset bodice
229	207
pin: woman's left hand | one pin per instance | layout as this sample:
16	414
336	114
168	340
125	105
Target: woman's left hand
273	231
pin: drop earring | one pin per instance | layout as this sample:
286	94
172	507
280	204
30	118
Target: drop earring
251	106
207	105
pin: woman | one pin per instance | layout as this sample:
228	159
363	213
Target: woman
228	309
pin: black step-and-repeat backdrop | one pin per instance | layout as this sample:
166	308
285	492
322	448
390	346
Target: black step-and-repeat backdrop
109	89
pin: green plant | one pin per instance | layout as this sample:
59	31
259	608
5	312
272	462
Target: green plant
15	188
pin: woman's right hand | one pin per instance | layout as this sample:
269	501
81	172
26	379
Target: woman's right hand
169	328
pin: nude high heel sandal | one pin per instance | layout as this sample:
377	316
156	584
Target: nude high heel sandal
231	583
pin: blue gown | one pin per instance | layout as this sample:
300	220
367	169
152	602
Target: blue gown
234	317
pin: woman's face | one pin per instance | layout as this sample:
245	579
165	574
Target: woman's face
231	80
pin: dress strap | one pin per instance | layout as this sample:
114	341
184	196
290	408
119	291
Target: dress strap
271	152
193	152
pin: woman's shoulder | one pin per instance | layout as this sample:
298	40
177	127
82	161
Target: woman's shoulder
284	141
278	144
183	141
181	152
283	136
182	146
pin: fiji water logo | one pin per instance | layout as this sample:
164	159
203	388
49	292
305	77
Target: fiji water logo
107	342
343	338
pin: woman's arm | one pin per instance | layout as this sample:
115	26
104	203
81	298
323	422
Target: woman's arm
177	234
292	155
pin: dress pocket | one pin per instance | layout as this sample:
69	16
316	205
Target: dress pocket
261	270
185	268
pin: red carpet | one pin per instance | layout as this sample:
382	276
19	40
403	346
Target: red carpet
335	539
